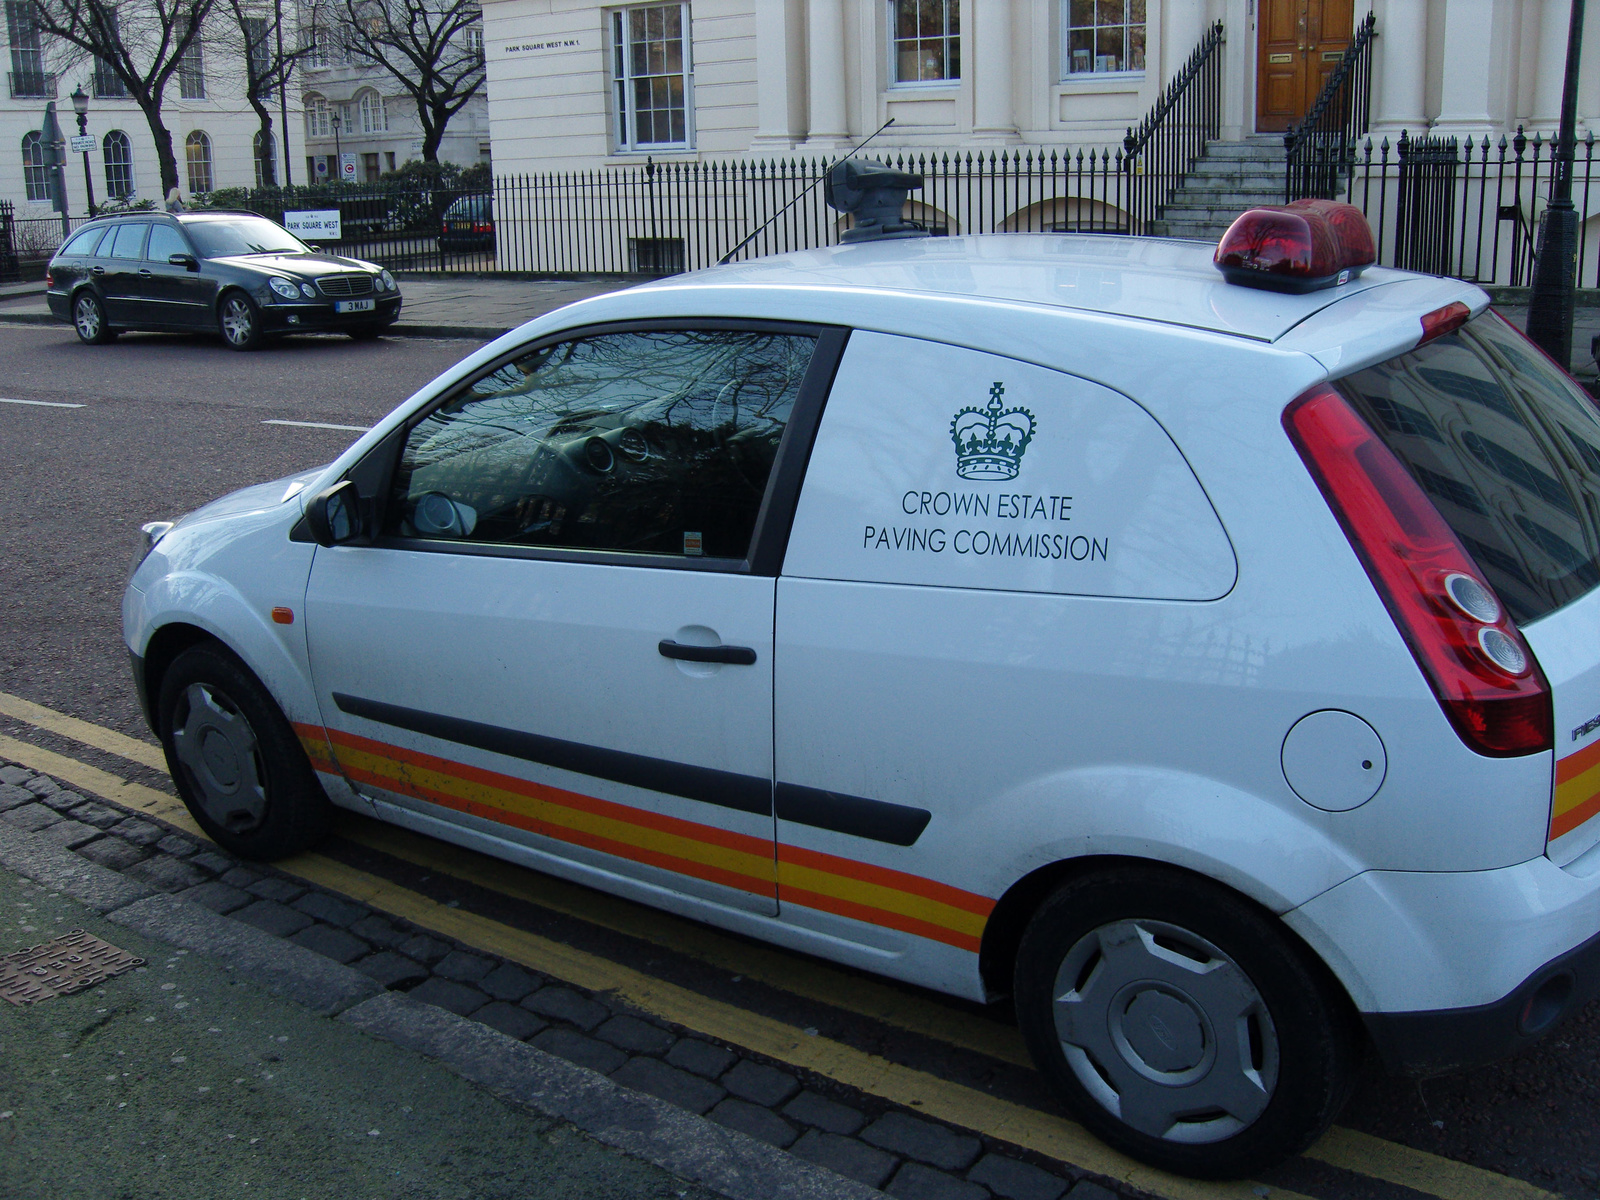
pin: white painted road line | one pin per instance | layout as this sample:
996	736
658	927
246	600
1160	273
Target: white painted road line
319	425
41	403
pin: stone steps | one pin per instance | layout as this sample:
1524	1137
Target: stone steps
1231	177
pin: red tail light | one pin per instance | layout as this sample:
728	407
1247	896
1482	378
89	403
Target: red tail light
49	280
1296	247
1444	320
1472	655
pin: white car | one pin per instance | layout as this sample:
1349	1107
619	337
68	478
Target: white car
1214	669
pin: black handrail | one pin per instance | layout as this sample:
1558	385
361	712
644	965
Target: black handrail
1321	149
1161	151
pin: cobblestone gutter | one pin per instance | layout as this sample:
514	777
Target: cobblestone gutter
872	1143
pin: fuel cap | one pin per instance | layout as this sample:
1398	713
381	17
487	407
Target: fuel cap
1334	760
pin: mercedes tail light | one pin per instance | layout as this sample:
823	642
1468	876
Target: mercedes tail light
1470	652
1297	247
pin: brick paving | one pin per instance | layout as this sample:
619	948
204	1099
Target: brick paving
858	1136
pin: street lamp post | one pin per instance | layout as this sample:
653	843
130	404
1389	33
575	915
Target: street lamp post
338	159
80	105
1550	305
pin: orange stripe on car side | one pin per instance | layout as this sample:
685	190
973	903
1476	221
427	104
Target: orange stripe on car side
809	878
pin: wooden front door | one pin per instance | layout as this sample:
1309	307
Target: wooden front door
1298	45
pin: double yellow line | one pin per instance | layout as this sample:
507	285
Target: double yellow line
1044	1133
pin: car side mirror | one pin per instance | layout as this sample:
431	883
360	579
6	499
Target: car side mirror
184	260
334	514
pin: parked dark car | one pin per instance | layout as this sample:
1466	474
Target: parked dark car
468	224
237	273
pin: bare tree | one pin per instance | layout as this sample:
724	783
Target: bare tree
255	34
142	44
432	48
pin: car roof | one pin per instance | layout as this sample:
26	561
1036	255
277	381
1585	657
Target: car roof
1158	279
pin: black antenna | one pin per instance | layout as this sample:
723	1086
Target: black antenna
755	233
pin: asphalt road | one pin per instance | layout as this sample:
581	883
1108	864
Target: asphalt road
170	422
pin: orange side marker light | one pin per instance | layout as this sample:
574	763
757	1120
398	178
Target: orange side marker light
283	616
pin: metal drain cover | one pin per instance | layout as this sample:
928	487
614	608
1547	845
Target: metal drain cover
61	966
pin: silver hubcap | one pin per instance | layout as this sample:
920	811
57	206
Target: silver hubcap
86	315
1166	1031
217	746
237	323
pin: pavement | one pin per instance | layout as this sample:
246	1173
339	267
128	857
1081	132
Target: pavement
222	1065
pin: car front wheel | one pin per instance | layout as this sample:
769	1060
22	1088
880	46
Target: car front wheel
240	321
1181	1024
236	762
89	319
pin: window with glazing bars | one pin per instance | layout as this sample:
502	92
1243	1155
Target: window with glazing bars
257	32
926	38
192	72
1102	35
117	151
27	54
35	174
651	75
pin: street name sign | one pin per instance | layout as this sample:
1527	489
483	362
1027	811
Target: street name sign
321	224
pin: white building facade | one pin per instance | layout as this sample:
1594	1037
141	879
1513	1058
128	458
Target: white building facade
215	132
359	110
575	84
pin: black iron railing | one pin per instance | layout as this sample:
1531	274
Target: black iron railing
1465	208
1161	150
1469	208
1321	149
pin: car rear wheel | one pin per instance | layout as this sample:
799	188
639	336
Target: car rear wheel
89	319
1181	1024
236	761
240	321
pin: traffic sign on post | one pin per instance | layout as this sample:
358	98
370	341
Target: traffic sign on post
83	143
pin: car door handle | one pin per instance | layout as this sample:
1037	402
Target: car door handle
739	656
145	273
97	270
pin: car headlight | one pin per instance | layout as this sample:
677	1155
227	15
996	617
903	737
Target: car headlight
309	292
388	282
284	288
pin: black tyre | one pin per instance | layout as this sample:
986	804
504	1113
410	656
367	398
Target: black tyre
239	321
1182	1024
89	319
237	763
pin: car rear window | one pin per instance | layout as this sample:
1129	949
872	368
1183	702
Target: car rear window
1507	446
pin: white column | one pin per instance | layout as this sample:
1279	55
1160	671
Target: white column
1469	60
1551	67
1183	22
1400	72
993	113
828	125
780	75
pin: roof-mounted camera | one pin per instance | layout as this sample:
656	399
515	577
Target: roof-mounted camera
873	193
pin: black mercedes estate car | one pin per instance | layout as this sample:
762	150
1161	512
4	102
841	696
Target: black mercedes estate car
237	273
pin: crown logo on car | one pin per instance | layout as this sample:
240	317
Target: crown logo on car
990	441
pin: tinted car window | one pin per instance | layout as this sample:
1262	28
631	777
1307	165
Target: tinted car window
469	208
165	241
242	235
129	241
654	443
84	242
1509	450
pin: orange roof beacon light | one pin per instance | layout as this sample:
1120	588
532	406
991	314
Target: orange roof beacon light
1297	247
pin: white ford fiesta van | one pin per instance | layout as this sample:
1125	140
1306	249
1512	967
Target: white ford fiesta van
1212	668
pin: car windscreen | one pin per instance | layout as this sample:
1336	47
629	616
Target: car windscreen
1507	447
469	208
242	235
